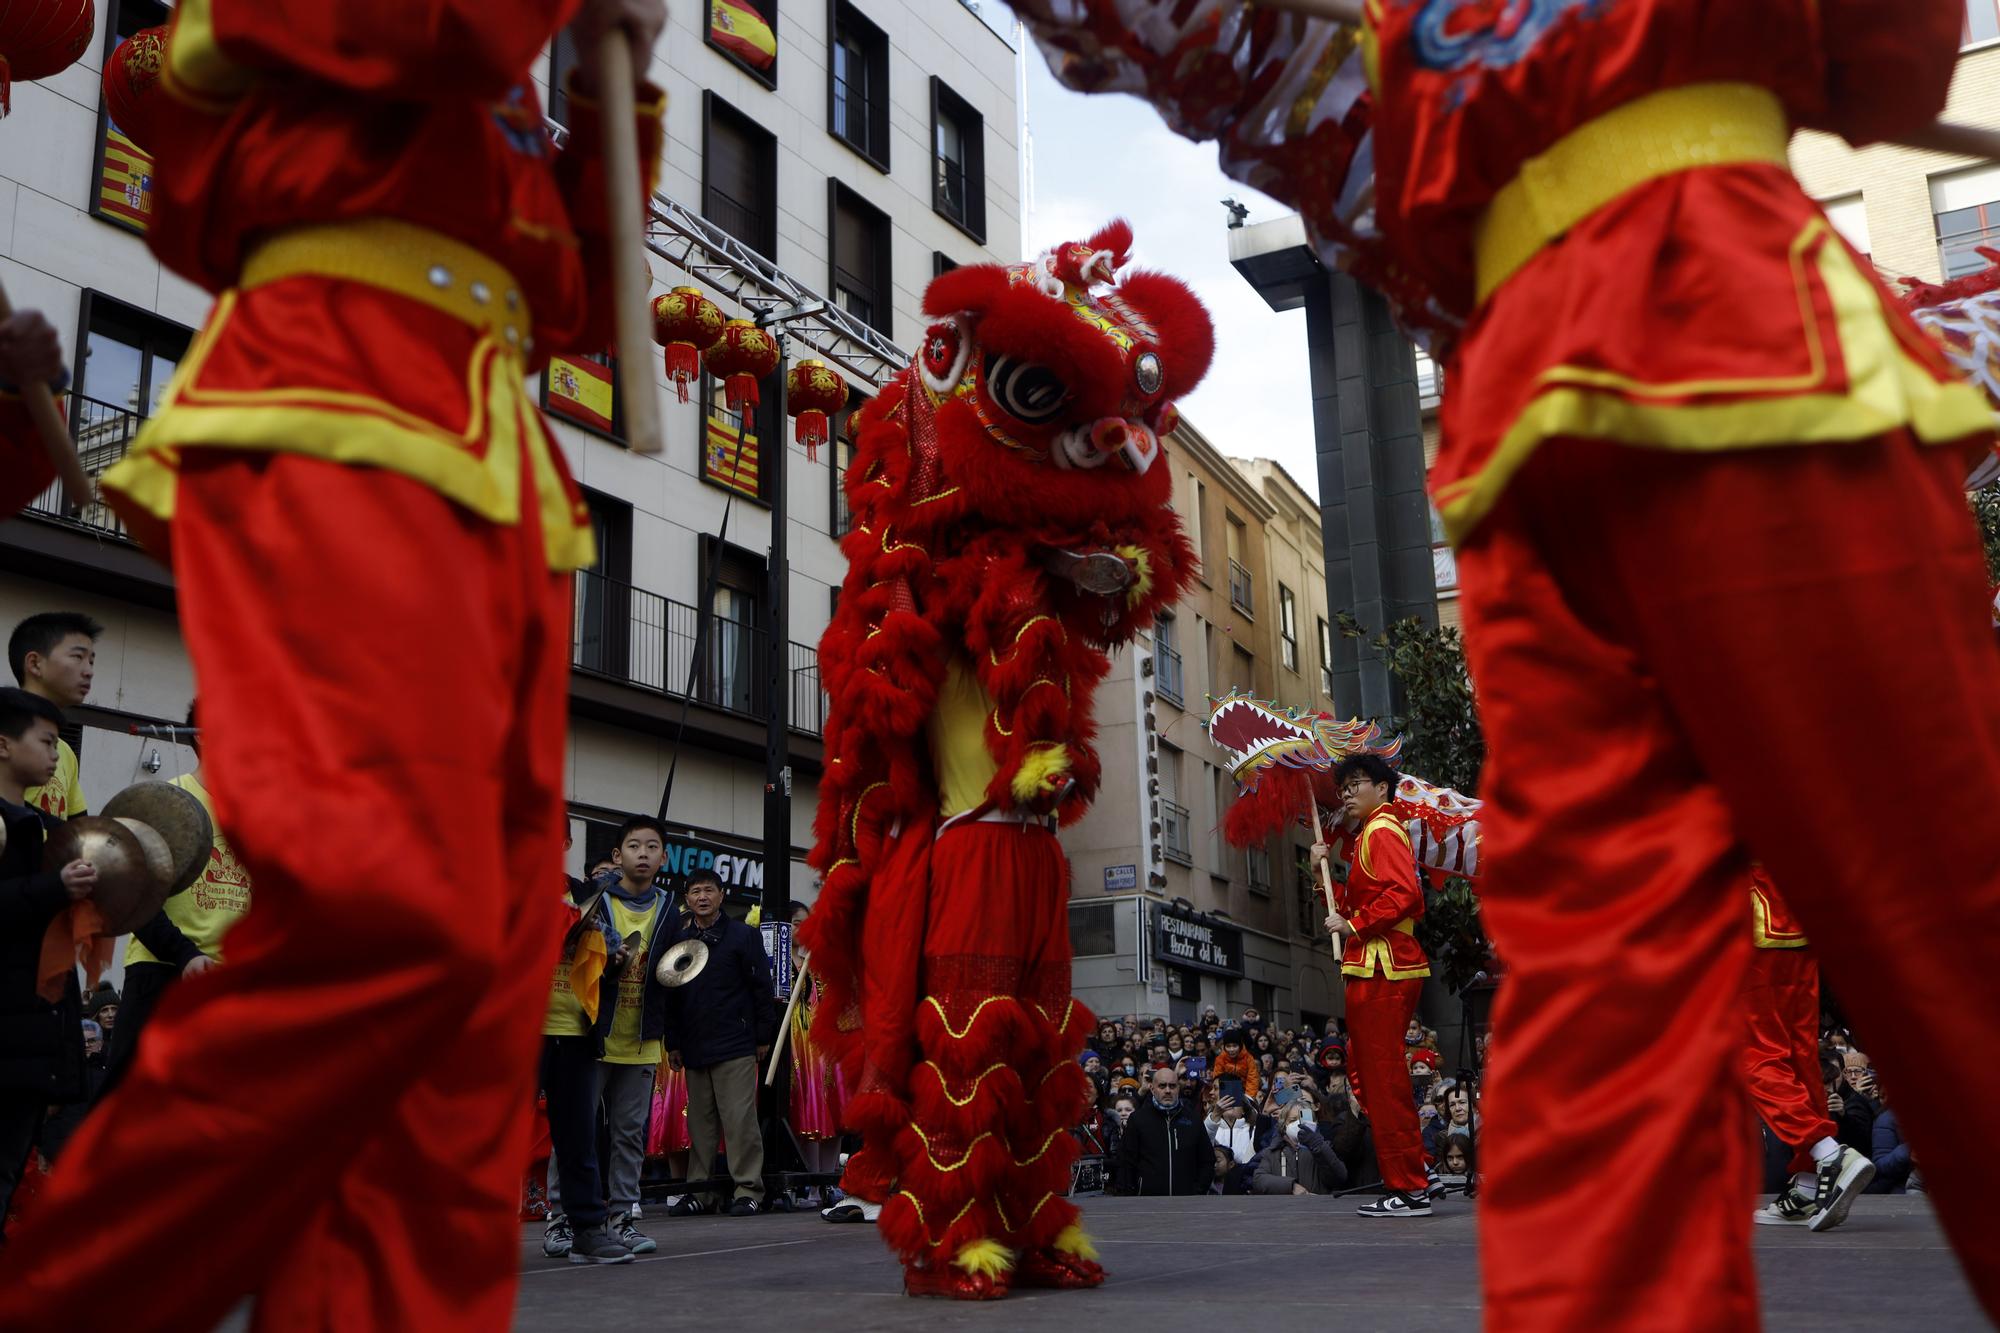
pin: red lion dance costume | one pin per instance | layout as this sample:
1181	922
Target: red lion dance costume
1011	525
1703	478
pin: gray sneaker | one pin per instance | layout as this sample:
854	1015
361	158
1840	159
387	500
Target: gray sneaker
556	1237
596	1245
631	1237
1841	1177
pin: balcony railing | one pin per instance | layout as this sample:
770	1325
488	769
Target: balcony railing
103	434
1168	671
1174	830
742	220
1239	589
644	639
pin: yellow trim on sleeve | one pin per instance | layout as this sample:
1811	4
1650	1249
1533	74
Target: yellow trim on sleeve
196	71
1760	927
1887	390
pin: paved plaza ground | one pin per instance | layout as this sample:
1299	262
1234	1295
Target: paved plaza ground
1208	1263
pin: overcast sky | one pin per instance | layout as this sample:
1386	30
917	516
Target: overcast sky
1096	158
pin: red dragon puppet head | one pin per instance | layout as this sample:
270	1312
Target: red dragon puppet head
1049	385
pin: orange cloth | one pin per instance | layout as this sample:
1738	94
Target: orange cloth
364	1064
1642	730
1382	900
1244	1066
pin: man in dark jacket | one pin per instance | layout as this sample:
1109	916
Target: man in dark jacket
1164	1149
719	1027
41	1040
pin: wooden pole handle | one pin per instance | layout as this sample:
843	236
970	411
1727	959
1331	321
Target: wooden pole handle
784	1037
54	435
1950	137
631	275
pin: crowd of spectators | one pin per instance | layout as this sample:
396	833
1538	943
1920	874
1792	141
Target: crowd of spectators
1858	1103
1243	1107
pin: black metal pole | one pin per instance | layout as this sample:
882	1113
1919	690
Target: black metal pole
775	456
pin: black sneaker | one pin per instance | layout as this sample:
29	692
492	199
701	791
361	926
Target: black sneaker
1841	1177
745	1208
1792	1208
556	1238
688	1205
1397	1204
631	1237
596	1245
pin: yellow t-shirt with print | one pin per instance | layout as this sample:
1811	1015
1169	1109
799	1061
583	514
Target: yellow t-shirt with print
207	908
565	1017
61	795
622	1045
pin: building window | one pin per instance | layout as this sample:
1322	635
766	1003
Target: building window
1849	216
842	517
731	456
941	263
858	91
1257	870
129	357
1176	826
1200	524
958	152
860	258
746	32
1167	661
1288	628
1311	901
1982	21
603	630
582	389
732	673
124	193
739	175
562	60
1325	658
1966	205
1093	929
1240	592
1242	670
1444	565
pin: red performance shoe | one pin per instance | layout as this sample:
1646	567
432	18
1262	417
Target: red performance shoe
952	1283
1056	1268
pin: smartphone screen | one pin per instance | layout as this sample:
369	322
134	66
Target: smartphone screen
1231	1087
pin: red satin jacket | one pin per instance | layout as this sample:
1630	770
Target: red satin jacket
1382	900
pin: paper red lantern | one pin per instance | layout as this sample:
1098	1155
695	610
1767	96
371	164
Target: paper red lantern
132	90
745	355
688	325
814	391
39	38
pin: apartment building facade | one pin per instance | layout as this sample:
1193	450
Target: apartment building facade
1165	916
848	149
1914	213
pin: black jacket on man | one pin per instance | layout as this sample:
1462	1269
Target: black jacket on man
41	1044
729	1009
1164	1152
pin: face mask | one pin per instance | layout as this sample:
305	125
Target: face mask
1292	1131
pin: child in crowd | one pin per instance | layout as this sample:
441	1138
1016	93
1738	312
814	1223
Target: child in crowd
43	1061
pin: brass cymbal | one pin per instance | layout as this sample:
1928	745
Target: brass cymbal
159	861
177	816
682	963
128	891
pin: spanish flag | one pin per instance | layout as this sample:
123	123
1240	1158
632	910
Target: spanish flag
580	388
125	191
737	27
723	463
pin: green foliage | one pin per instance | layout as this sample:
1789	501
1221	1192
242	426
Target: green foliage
1986	505
1442	744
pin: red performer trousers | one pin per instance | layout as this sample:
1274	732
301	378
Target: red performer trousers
1672	651
337	1120
1378	1011
1780	1060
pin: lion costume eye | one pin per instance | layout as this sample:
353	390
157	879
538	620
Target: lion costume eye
1026	391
